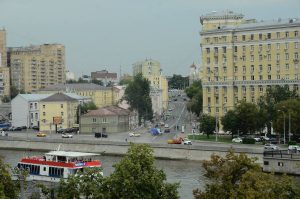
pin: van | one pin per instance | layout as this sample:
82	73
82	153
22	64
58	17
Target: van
294	148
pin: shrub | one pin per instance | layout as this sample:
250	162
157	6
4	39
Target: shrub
292	143
248	141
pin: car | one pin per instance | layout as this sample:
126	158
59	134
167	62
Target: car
166	125
271	147
257	139
3	133
175	99
67	135
294	148
35	128
60	130
265	138
99	135
131	134
41	134
187	142
162	123
237	140
170	109
167	130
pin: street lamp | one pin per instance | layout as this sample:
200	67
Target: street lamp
283	125
216	128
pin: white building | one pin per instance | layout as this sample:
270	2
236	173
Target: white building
25	108
157	101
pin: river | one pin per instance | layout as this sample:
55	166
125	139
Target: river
188	173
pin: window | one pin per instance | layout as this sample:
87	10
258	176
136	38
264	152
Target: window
296	56
44	113
225	99
207	40
30	105
277	67
278	76
235	49
225	78
269	35
217	100
207	50
277	46
208	89
252	47
104	120
224	69
287	67
261	89
252	77
286	45
234	58
252	58
296	33
269	77
260	68
296	66
280	164
31	116
224	49
260	36
36	116
296	77
244	58
259	48
216	39
244	48
208	60
244	37
235	69
286	34
269	57
296	45
224	38
287	76
260	77
266	162
269	67
277	56
62	113
252	68
235	38
269	47
61	106
44	105
244	69
217	109
244	78
215	49
35	105
286	56
278	35
94	120
252	36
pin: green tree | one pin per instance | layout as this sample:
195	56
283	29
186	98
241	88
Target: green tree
194	92
125	81
238	176
274	95
137	94
288	107
207	124
8	188
178	82
230	122
99	82
135	176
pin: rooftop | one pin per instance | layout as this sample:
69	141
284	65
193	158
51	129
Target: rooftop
70	154
34	97
58	97
108	111
72	87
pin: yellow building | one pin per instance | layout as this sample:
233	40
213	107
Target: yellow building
160	82
59	106
242	58
4	70
149	67
100	95
36	67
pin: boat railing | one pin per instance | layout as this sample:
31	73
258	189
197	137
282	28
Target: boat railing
282	154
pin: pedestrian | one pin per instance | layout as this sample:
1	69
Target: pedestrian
125	139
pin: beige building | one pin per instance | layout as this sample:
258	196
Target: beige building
242	58
4	70
100	95
151	70
36	67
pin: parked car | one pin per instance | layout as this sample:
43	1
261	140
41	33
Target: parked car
271	147
131	134
41	134
35	128
13	128
294	148
257	139
99	135
67	135
167	130
187	142
237	140
3	133
166	125
60	130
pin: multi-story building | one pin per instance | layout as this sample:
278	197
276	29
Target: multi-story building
150	69
105	77
242	58
100	95
25	108
4	70
36	67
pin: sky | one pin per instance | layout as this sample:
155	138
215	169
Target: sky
114	34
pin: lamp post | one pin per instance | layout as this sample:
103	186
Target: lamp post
216	128
289	126
283	125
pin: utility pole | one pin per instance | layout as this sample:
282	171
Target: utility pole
216	128
289	126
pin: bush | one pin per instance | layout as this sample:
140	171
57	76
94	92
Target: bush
292	143
248	141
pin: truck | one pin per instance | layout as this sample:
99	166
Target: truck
175	140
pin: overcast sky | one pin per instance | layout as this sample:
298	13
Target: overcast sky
101	34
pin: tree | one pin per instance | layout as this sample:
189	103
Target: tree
287	107
8	188
125	81
207	124
99	82
137	94
135	176
178	82
230	122
238	176
273	96
194	92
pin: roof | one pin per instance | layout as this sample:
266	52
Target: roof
77	97
34	97
107	111
58	97
103	74
70	154
72	87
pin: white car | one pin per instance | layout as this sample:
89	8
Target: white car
166	125
237	140
294	148
271	147
66	135
134	134
187	142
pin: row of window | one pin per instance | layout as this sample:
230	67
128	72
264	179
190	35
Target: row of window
33	169
253	77
103	120
260	58
252	37
61	106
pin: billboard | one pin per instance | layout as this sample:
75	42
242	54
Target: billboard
57	120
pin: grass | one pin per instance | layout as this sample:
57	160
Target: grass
221	138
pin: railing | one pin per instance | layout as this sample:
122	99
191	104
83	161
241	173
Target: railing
283	154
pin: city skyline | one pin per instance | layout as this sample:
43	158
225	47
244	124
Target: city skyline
108	34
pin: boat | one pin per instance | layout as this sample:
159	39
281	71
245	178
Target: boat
55	165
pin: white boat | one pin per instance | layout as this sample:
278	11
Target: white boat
57	164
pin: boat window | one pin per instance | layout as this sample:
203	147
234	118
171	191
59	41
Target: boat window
44	168
56	172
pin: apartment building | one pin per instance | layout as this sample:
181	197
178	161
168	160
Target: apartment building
36	67
241	58
4	70
104	76
151	70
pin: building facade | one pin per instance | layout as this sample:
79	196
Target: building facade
36	67
105	77
4	70
149	67
242	58
100	95
111	119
